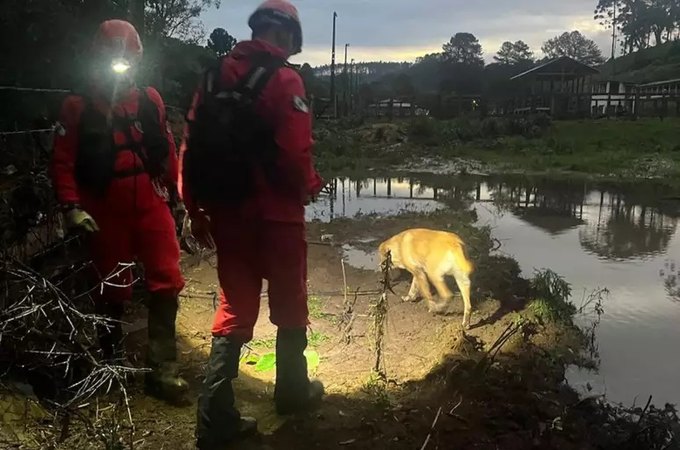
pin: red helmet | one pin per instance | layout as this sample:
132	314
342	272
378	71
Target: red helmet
282	13
120	39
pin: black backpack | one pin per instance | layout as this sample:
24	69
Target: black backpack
228	141
97	152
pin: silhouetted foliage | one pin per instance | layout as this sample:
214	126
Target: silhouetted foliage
574	45
221	42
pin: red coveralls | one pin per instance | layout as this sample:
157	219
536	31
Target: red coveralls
134	220
265	237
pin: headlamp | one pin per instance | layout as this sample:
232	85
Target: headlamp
120	66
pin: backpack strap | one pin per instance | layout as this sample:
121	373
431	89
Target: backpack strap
264	67
124	125
250	86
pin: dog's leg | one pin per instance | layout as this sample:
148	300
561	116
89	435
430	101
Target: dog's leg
443	290
463	282
413	292
424	288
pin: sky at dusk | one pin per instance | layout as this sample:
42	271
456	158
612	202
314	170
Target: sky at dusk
402	30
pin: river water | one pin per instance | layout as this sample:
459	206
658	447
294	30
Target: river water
596	235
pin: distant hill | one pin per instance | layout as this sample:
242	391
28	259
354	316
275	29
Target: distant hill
652	64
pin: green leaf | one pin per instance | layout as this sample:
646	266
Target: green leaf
266	363
313	360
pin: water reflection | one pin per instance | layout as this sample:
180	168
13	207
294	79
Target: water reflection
627	231
553	207
375	196
611	223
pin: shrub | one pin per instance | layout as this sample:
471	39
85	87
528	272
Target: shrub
551	293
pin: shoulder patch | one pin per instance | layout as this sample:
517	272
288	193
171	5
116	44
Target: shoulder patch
300	104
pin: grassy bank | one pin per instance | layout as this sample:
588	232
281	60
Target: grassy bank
603	148
643	148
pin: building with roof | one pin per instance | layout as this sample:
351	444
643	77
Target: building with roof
560	87
392	107
612	97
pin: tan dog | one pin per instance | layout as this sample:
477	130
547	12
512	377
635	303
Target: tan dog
429	254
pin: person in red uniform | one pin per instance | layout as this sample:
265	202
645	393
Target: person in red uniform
113	167
263	235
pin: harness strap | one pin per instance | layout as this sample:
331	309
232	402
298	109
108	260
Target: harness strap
124	124
264	66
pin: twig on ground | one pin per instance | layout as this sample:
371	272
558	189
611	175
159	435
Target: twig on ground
434	424
347	319
344	279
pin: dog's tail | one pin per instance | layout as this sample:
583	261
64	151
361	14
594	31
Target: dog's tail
461	257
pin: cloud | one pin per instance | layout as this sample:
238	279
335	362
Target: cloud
398	30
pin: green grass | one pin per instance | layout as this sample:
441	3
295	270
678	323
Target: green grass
314	304
315	339
376	388
605	147
611	148
264	343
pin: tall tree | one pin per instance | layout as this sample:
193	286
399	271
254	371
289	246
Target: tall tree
514	53
464	48
574	45
640	21
221	42
176	18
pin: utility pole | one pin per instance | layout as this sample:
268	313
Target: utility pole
614	40
344	88
334	103
351	86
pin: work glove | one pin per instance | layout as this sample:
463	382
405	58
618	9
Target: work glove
76	218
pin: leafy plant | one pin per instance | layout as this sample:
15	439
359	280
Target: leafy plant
552	294
267	362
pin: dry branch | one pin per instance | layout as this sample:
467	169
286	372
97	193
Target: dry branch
379	313
51	335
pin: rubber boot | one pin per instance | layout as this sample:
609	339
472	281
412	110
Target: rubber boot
164	382
218	422
294	392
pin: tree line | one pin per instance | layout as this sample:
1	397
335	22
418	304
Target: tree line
458	69
641	23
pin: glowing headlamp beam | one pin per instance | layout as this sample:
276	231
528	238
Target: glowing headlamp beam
120	67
